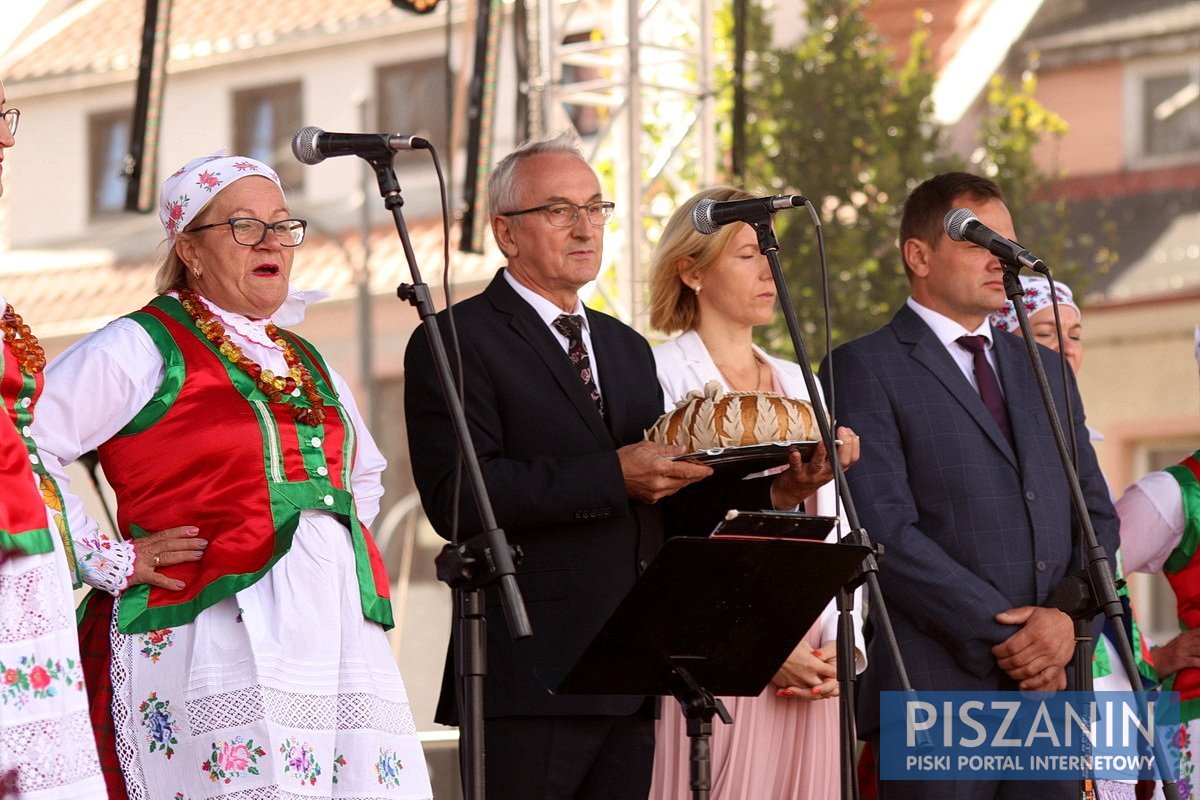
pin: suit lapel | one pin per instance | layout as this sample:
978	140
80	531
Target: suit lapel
928	350
529	327
1021	395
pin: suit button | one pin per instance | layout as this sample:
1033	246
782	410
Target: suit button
1030	494
642	564
1041	566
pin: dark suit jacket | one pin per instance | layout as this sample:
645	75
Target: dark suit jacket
970	528
549	461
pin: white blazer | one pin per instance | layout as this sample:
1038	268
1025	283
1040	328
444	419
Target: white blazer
684	364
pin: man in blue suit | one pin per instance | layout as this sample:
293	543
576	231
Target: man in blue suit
960	480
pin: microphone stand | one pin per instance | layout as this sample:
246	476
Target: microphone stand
868	571
1091	589
481	560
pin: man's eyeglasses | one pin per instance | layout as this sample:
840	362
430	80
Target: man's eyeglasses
12	118
564	215
250	232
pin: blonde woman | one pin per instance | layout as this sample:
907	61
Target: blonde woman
712	291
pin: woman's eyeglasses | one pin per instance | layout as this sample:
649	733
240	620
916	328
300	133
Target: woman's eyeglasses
250	232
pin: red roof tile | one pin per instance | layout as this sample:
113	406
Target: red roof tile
101	36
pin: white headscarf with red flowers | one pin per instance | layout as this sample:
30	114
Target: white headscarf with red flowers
197	182
1037	297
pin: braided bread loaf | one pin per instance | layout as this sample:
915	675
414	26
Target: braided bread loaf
712	417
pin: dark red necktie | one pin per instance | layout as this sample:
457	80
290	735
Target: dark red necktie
989	386
571	326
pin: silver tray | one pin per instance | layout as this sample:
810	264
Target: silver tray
750	458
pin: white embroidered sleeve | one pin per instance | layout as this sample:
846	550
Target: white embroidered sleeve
104	562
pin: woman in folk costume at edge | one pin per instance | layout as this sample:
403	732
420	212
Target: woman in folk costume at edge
46	745
1160	532
267	672
783	744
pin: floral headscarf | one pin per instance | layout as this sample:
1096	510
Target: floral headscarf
1037	297
196	183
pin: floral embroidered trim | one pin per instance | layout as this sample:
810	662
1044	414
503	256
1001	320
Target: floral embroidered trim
298	758
155	643
208	181
175	210
273	386
30	355
30	680
233	759
387	768
159	723
339	761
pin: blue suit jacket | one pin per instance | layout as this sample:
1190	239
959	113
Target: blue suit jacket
970	525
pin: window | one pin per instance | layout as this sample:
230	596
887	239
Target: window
108	144
1171	113
414	99
1163	121
264	121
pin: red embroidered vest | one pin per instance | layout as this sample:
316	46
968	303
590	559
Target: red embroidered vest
209	450
23	521
1182	570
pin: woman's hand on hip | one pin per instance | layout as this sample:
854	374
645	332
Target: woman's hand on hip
162	549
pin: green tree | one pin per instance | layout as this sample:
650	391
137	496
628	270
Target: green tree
833	118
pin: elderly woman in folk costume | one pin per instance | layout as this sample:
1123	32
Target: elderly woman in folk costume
46	746
257	664
1160	532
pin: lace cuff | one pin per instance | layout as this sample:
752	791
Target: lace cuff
105	562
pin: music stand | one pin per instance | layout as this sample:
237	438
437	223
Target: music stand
712	617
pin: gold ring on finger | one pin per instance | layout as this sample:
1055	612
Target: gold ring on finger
157	560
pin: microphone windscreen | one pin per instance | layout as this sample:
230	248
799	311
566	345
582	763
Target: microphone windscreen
304	145
702	220
956	221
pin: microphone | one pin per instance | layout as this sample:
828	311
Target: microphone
312	145
708	215
962	225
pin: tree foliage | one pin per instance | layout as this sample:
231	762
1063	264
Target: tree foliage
833	118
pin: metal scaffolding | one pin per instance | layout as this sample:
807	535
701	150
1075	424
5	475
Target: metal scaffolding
635	80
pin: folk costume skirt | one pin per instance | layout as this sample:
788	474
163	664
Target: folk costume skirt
283	690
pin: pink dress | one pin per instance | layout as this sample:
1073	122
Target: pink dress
778	748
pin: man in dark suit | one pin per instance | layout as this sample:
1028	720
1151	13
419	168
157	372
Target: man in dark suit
970	504
557	410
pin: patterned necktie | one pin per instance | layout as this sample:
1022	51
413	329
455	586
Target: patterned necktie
989	386
571	326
